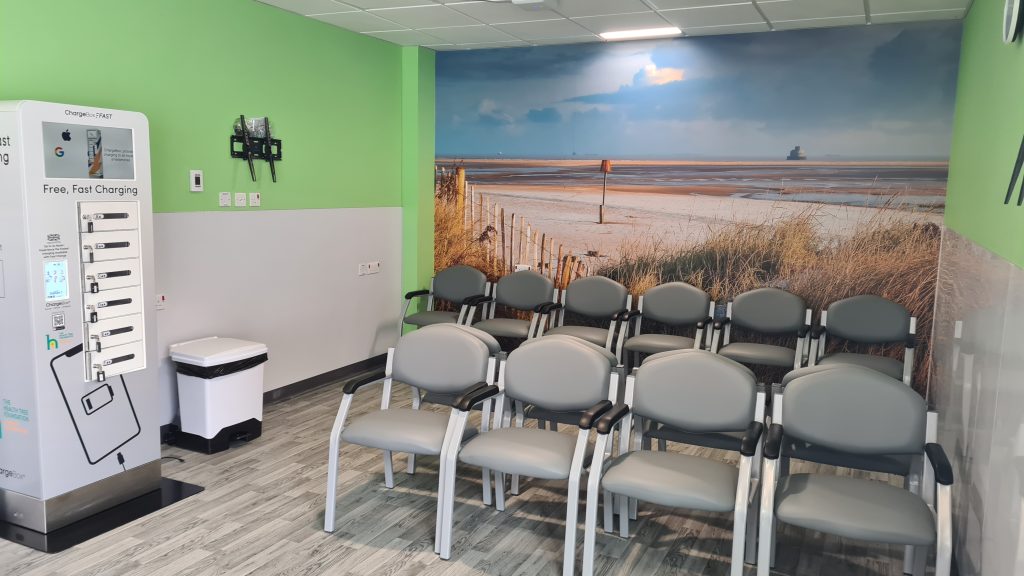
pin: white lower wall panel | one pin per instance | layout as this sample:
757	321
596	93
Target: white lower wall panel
287	278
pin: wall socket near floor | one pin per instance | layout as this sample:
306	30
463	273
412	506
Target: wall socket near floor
367	268
225	199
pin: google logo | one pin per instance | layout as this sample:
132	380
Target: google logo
59	152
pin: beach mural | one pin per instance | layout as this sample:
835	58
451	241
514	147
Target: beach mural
814	161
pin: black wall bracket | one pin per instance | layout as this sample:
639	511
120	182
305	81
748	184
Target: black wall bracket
254	142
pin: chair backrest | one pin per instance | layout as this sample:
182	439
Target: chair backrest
440	358
595	297
611	357
868	319
676	303
856	410
558	374
456	283
697	391
524	290
769	311
490	341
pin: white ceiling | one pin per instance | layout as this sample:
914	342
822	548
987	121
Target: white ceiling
464	24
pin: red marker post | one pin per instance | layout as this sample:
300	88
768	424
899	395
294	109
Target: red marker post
606	168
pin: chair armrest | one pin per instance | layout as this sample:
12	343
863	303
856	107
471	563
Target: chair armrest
802	331
611	418
817	331
543	307
940	463
593	413
352	386
473	300
704	323
911	341
719	324
751	438
773	441
416	294
474	396
549	307
620	315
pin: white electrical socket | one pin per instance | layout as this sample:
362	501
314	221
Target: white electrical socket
240	199
364	269
254	199
195	180
161	301
373	267
225	199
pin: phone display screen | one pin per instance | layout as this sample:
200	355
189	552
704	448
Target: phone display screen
55	280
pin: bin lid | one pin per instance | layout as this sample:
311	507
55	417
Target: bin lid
215	351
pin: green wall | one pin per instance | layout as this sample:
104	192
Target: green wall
987	133
356	114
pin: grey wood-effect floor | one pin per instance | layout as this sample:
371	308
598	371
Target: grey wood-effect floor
262	513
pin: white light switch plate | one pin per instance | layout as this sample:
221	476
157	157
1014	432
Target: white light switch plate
225	199
240	199
195	180
254	199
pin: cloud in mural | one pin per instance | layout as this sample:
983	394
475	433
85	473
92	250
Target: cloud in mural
891	85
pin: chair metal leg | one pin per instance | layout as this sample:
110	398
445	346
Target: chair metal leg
442	481
410	465
520	422
332	463
662	445
753	512
739	524
573	504
450	456
609	511
389	470
912	483
593	491
624	516
944	530
488	492
499	491
766	530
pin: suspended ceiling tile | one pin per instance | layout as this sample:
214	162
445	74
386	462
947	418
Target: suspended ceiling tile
420	17
371	4
306	7
599	24
810	9
487	45
359	22
671	4
501	13
545	29
577	8
570	40
469	34
406	37
714	16
922	16
818	22
727	29
892	6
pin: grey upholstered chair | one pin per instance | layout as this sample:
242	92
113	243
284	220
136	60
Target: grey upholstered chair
442	359
768	311
867	320
559	374
461	286
699	392
856	410
677	305
596	298
523	291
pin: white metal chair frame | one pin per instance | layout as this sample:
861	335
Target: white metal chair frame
820	334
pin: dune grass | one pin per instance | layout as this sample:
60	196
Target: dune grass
887	257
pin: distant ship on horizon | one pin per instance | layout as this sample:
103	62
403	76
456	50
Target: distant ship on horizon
797	154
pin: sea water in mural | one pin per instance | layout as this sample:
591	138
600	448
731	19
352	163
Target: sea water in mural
811	160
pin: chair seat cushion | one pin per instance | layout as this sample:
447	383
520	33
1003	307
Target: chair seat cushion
536	453
718	440
506	327
654	343
753	353
855	508
432	317
888	366
898	464
591	334
673	479
401	430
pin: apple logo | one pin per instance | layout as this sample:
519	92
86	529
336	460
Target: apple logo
66	135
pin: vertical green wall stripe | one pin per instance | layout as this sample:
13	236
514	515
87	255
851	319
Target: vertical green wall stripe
192	66
987	131
417	166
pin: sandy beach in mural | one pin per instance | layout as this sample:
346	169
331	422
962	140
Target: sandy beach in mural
680	203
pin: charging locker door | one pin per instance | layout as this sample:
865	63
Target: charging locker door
107	216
